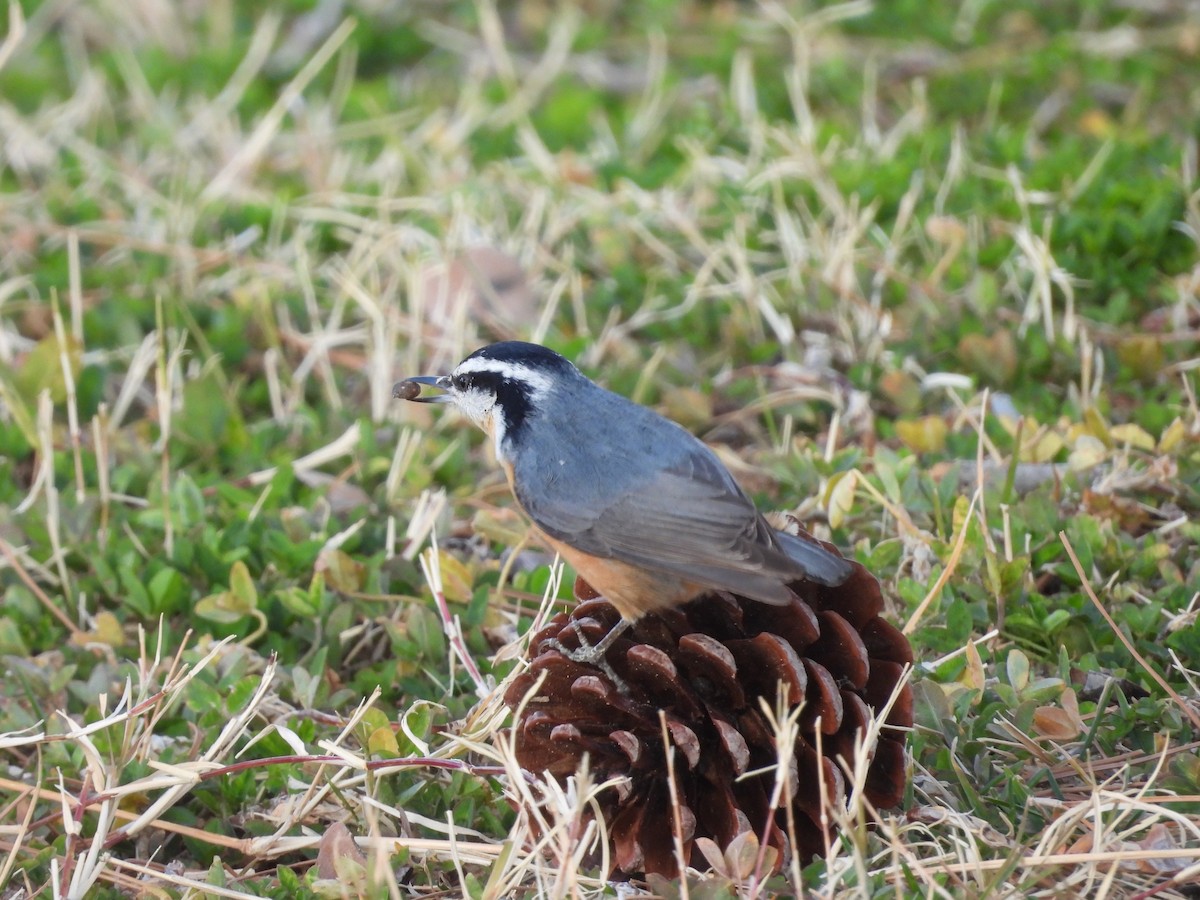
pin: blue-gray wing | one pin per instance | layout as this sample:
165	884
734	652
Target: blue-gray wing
689	518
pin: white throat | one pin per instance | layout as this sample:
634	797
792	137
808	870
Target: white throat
480	405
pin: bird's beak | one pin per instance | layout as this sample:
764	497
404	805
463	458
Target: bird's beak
409	388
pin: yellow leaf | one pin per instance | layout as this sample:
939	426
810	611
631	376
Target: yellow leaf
457	581
994	358
1075	431
1096	426
972	675
1133	435
945	230
1043	448
1017	668
1097	123
687	406
500	526
961	505
382	742
924	435
1026	425
372	718
107	631
342	572
220	607
1170	439
1089	451
991	571
839	496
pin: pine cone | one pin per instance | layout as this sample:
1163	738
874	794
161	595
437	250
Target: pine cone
705	664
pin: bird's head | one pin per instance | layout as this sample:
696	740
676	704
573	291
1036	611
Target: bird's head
499	387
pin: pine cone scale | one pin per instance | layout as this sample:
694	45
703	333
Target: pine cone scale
824	700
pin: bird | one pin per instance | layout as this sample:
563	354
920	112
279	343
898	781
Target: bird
642	509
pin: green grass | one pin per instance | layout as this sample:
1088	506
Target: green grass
203	282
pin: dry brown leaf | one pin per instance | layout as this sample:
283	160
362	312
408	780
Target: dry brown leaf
337	844
1054	723
902	389
491	284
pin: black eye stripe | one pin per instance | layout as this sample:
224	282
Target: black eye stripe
515	401
482	380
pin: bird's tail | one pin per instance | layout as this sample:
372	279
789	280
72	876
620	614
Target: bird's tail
819	564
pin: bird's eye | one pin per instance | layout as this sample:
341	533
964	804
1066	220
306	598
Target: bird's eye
461	382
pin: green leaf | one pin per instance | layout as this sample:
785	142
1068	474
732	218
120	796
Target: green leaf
42	369
305	686
425	629
297	601
136	597
187	501
958	622
210	419
221	608
241	586
1017	668
1055	620
11	641
167	590
22	412
216	873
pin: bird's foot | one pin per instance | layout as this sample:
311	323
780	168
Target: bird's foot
590	654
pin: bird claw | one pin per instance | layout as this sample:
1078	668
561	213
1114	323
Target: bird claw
589	654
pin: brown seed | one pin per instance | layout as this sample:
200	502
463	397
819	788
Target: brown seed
406	390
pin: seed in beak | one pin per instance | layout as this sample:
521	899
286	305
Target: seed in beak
410	388
406	390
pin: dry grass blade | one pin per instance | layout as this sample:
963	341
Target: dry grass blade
431	567
268	126
951	564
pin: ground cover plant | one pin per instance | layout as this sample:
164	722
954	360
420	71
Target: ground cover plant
924	273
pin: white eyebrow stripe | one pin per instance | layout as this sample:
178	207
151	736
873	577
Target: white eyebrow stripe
539	382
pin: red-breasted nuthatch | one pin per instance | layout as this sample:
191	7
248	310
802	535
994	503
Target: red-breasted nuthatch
642	509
